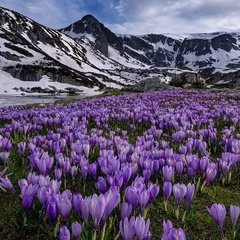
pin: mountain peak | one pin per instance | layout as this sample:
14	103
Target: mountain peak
89	18
88	24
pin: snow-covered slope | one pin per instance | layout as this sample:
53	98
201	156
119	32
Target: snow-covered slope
207	53
29	51
88	55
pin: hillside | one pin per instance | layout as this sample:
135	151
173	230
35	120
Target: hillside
88	55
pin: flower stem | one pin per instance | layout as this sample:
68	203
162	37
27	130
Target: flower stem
25	219
184	216
84	188
177	212
103	231
65	183
203	185
165	205
117	236
198	184
94	235
145	213
56	227
229	177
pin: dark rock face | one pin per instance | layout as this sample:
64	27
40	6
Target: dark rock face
26	43
197	52
197	47
229	80
138	56
9	56
225	41
188	80
104	37
150	85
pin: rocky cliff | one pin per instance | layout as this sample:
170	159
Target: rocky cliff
87	53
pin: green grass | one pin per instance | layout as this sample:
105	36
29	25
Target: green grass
198	223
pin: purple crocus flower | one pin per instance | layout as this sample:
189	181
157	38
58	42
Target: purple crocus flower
174	234
153	191
127	173
203	164
179	191
167	190
43	180
27	202
6	183
32	178
64	207
234	211
66	165
211	172
126	210
170	233
76	230
92	169
101	185
81	206
43	195
7	145
127	228
21	148
142	228
112	198
54	186
96	208
52	211
218	212
167	225
132	195
116	180
64	233
73	171
179	168
85	209
28	193
58	173
77	199
4	156
190	173
84	168
86	149
143	200
147	174
168	173
189	194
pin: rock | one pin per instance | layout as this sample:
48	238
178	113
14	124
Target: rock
149	85
10	56
187	86
188	80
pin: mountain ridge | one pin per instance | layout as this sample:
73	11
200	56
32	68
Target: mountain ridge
88	54
185	51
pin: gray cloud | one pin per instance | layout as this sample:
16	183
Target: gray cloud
178	16
136	16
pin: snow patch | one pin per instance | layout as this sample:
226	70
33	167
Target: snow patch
11	85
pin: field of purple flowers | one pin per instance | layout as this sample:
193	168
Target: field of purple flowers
161	165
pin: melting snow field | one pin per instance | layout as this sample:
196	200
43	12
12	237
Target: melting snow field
9	95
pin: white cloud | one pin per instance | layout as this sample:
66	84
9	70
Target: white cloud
136	16
177	16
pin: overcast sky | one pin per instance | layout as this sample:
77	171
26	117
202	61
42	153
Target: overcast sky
136	16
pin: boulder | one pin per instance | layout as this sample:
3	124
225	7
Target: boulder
188	80
149	85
